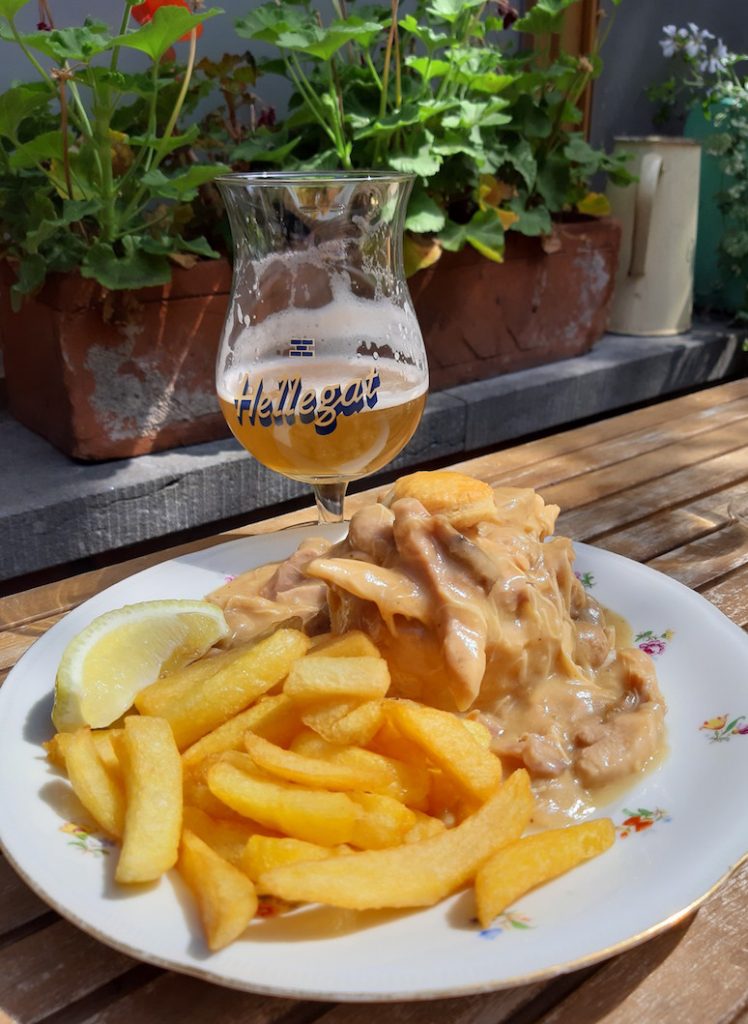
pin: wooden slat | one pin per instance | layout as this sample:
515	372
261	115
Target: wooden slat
602	453
641	468
52	968
636	503
18	904
708	558
731	596
498	467
694	973
666	530
16	641
484	1009
175	999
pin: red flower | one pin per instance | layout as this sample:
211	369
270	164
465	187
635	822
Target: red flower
145	11
653	647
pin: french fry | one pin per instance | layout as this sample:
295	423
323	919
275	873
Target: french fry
480	733
275	718
424	827
196	793
210	702
103	739
226	898
312	814
345	722
322	677
448	744
228	837
160	695
314	771
408	783
384	821
97	790
529	862
152	771
414	875
262	853
353	644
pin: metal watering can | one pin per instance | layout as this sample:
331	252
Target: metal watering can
658	215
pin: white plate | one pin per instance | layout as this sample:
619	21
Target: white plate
681	829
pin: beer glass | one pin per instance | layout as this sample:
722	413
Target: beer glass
321	373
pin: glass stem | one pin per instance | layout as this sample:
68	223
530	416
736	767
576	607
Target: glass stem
330	499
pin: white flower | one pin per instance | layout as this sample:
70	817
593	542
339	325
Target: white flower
696	40
717	59
670	43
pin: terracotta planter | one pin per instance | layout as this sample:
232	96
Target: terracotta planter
109	382
481	318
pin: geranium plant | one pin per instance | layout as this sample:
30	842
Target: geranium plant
96	174
706	74
448	91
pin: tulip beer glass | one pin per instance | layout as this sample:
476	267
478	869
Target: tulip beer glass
321	373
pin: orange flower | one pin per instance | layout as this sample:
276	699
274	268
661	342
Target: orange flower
145	11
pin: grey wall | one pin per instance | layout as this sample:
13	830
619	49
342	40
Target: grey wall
632	56
633	60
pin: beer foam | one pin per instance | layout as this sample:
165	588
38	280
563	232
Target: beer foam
349	336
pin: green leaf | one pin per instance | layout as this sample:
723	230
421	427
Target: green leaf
10	8
424	214
423	161
450	10
136	269
522	159
485	233
77	44
534	222
428	68
554	181
200	246
183	185
174	141
325	42
430	39
488	81
263	149
47	146
167	27
17	104
452	236
409	114
30	275
544	16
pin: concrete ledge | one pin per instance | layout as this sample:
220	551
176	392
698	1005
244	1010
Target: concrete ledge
54	510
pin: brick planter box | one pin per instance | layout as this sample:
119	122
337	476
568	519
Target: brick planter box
481	318
110	383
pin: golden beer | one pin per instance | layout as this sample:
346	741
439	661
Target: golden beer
326	423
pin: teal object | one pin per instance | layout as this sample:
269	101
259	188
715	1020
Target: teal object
711	290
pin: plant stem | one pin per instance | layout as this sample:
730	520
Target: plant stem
65	140
374	72
29	54
386	67
180	98
307	93
122	30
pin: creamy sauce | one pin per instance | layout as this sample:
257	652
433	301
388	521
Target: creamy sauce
477	610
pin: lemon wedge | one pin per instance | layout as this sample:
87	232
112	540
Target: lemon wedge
104	667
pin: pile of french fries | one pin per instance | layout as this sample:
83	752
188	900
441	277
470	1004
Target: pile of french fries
282	769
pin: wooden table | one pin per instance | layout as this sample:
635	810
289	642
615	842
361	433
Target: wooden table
653	485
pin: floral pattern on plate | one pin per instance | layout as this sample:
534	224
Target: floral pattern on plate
640	820
723	727
587	579
653	643
86	841
505	922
